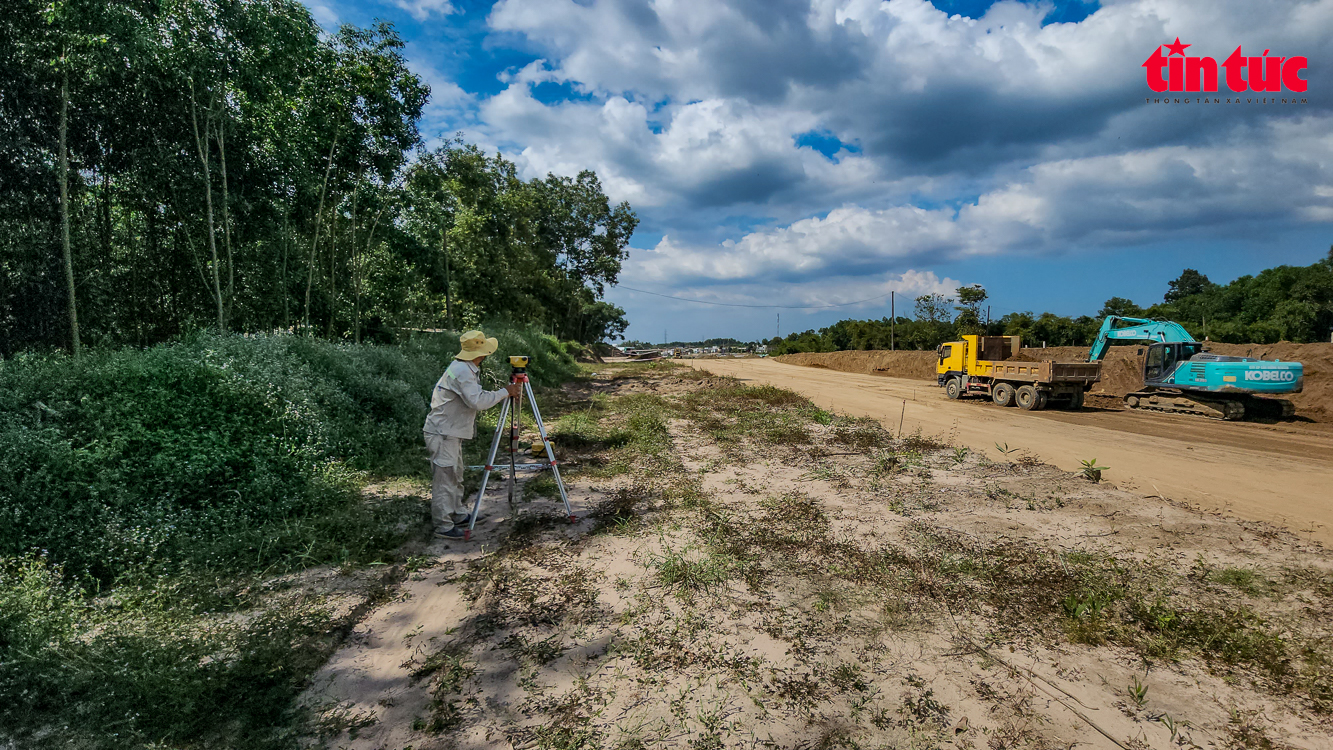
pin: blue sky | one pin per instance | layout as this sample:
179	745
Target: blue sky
816	152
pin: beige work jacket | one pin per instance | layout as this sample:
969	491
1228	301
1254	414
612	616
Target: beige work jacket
457	398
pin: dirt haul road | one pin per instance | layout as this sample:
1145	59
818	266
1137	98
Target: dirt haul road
1253	471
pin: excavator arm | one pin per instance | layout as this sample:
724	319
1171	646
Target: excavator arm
1138	329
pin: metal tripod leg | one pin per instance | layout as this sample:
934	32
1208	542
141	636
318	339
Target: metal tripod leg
515	426
490	466
550	454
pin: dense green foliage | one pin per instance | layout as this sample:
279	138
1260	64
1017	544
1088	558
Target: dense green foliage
212	453
134	673
140	491
1286	303
229	166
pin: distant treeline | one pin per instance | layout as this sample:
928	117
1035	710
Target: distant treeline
174	166
728	342
1286	303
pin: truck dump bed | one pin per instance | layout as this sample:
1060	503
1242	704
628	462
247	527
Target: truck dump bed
1064	373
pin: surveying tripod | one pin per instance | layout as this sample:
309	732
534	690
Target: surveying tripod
512	409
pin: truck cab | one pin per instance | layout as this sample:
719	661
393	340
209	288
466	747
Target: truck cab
960	357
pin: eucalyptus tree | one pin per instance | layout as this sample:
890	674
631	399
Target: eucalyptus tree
368	118
585	241
168	165
60	44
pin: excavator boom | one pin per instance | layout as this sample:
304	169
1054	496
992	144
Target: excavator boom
1139	329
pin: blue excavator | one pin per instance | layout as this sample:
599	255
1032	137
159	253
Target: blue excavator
1180	376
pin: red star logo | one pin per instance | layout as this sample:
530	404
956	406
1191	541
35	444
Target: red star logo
1177	48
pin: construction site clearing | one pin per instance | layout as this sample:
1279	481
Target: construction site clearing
1122	371
752	571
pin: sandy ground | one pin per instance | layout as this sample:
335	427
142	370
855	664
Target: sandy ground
831	625
1256	472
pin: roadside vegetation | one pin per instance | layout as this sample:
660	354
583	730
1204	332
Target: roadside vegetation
171	517
756	571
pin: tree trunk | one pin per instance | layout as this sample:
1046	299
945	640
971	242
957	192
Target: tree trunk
286	240
201	144
194	255
333	270
154	251
104	218
351	256
448	282
64	210
369	240
314	243
226	221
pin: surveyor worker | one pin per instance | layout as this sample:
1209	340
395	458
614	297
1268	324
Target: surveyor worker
454	404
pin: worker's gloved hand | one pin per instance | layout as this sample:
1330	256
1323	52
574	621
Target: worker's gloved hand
514	389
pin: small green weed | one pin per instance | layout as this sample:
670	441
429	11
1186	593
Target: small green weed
1138	693
1091	471
689	569
1249	581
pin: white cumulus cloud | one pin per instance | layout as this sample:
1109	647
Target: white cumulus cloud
948	137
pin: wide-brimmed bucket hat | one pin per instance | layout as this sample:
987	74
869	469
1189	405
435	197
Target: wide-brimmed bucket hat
475	344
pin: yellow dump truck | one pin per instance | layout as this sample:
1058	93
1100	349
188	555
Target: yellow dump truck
988	366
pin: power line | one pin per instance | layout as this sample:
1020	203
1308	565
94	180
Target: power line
737	304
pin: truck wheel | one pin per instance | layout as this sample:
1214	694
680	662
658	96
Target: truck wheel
1027	398
1003	394
1076	401
1043	398
954	388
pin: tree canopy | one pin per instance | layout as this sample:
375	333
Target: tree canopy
227	165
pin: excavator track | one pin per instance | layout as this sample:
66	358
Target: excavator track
1226	409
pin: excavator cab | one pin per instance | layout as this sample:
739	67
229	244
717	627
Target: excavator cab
1164	358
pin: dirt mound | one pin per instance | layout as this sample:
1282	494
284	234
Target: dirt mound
901	364
1122	367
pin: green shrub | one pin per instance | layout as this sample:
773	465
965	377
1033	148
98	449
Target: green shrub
142	490
75	675
219	452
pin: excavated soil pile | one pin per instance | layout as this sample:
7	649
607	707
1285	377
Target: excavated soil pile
920	364
902	364
1121	369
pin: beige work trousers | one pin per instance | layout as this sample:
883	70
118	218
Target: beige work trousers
446	487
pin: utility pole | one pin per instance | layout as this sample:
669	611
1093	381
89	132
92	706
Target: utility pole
988	315
893	322
779	325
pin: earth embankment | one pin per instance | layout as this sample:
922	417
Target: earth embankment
1121	369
